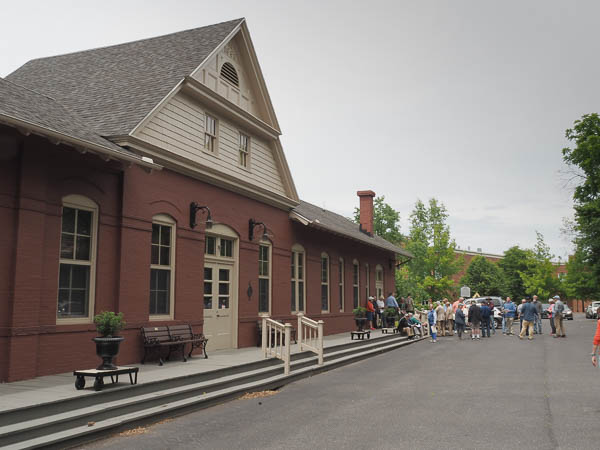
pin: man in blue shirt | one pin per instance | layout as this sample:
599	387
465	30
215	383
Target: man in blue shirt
485	319
391	302
510	310
528	312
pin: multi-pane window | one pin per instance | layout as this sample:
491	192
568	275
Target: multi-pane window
208	288
324	282
77	259
264	275
226	248
341	284
210	245
218	246
161	268
210	134
355	283
379	280
244	149
297	280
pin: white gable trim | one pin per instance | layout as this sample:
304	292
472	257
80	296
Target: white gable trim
189	168
257	73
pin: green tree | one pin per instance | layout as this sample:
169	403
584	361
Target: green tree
579	282
584	162
514	262
386	220
429	273
484	277
540	277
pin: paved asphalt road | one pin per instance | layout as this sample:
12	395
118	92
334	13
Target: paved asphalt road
489	394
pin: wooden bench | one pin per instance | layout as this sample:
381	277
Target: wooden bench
175	337
259	328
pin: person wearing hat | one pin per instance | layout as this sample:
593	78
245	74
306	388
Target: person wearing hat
551	316
380	308
432	320
370	312
510	310
558	317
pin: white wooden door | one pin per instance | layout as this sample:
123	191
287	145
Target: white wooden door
219	301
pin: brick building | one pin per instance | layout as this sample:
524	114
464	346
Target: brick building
149	178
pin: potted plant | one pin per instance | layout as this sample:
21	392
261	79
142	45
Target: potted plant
390	315
360	317
108	325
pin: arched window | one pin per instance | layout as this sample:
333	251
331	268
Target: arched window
229	73
162	268
324	282
77	263
298	279
355	283
341	284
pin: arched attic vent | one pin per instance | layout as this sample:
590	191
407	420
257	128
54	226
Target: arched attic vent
229	73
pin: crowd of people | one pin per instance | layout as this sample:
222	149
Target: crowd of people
446	319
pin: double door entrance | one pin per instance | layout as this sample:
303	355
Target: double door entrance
220	300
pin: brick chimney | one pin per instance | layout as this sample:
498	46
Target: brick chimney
366	211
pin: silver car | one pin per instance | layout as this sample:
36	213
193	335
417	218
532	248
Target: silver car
591	312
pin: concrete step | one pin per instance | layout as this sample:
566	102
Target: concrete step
71	422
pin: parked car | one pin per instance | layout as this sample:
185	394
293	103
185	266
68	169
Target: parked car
591	312
567	313
498	303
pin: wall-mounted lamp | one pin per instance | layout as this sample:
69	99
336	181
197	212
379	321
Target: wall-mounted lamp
194	208
251	224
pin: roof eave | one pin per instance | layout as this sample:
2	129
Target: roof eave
314	224
58	137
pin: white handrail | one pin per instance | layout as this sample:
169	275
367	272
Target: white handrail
276	341
310	335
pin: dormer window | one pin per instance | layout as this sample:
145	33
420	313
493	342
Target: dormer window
229	73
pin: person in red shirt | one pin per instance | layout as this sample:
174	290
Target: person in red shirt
596	346
370	312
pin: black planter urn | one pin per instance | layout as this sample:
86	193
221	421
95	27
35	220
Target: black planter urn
107	348
360	322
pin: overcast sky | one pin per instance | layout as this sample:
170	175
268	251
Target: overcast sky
464	101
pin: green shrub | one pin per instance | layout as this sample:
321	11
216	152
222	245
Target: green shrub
361	311
109	324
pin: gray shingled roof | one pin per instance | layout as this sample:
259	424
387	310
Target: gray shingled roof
22	105
330	221
113	88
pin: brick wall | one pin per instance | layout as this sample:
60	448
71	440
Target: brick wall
33	182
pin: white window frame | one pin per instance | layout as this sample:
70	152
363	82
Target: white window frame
355	284
297	249
213	147
341	284
325	270
244	153
268	276
168	221
379	281
80	202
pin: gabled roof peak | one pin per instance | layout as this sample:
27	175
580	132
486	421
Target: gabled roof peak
142	41
113	88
